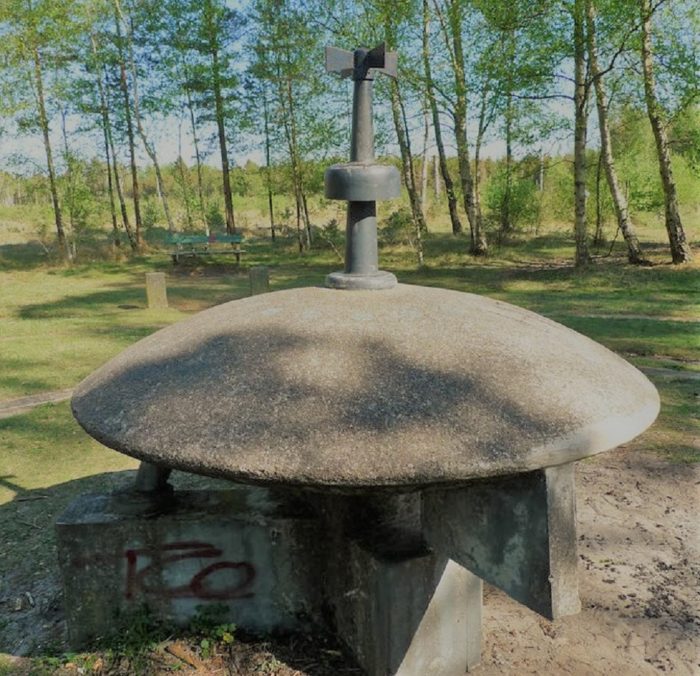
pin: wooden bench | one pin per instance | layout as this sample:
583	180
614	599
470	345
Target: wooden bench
205	245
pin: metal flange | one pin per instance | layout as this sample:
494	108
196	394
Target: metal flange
358	182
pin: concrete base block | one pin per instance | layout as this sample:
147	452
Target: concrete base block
396	575
517	533
245	549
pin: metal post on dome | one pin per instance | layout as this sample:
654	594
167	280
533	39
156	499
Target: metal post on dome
361	182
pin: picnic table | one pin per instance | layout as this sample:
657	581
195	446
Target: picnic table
214	244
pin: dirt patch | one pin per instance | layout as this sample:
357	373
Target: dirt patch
639	550
639	566
23	404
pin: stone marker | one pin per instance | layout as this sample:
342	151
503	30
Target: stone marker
259	278
156	290
430	434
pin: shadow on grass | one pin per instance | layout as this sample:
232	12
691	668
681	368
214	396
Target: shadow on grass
13	376
25	256
127	296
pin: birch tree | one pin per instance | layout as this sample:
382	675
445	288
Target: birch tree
680	249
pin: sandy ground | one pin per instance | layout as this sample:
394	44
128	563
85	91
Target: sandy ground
639	546
639	574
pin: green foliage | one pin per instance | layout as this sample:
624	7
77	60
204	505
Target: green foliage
685	136
215	219
523	197
211	629
397	228
150	213
558	198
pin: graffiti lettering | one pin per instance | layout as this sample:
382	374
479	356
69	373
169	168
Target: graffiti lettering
147	579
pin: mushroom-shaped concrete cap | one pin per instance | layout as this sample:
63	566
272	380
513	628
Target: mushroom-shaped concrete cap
405	387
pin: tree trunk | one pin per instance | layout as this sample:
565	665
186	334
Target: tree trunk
129	130
69	200
181	166
268	176
414	193
680	249
598	237
424	162
481	130
109	150
430	92
120	193
409	178
198	160
44	123
478	246
150	149
634	251
286	99
110	187
220	121
506	224
437	188
580	98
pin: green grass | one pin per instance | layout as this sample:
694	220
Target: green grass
58	324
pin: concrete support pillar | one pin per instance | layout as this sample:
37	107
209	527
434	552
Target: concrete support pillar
156	291
517	533
401	609
409	617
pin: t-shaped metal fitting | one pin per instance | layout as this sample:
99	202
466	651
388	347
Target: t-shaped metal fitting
361	182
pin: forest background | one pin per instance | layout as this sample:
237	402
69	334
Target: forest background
121	120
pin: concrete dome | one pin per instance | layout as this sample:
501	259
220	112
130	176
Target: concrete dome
405	387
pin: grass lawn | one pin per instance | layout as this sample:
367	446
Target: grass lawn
57	324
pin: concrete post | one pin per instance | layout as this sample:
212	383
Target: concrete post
156	291
517	533
259	279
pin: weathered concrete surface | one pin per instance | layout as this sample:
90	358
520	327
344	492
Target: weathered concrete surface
156	290
518	533
241	548
276	561
399	607
415	616
409	386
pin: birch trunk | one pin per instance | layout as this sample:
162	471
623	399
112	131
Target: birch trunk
634	251
104	123
129	131
198	160
430	92
150	148
680	249
424	162
268	176
213	46
478	245
582	257
409	178
44	123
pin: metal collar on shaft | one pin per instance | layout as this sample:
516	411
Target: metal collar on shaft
361	182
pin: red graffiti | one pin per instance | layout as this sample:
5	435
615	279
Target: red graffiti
199	586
